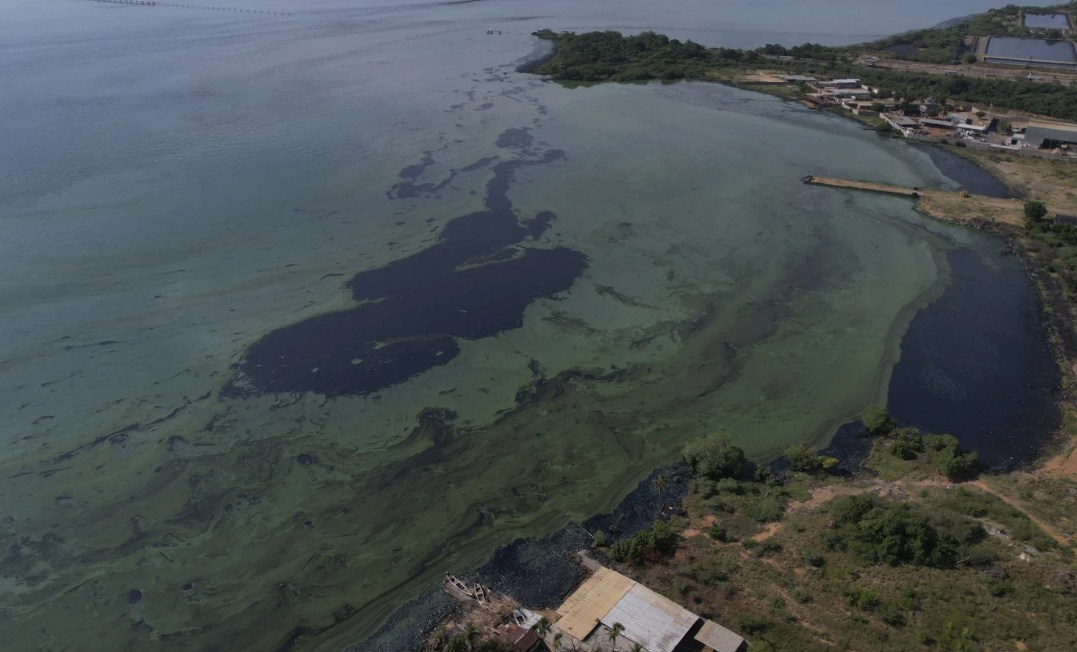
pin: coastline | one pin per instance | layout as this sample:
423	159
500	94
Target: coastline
555	577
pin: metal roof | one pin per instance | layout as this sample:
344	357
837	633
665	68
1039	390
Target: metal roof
1036	134
718	638
582	611
655	622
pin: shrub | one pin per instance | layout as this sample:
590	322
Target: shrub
718	533
891	614
862	599
907	444
877	420
813	559
768	547
802	458
948	458
715	457
766	509
753	625
874	531
647	546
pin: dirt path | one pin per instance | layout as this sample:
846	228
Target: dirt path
900	489
1060	537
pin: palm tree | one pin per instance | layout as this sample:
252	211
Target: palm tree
660	483
542	627
638	648
615	631
557	641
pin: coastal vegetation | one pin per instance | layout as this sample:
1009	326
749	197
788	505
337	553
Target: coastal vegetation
897	557
610	56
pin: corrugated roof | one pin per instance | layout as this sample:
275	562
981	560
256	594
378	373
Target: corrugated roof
718	638
583	610
655	622
1036	135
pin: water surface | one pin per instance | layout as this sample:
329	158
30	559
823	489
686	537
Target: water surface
301	312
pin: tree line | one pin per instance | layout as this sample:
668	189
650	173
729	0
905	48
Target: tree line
610	56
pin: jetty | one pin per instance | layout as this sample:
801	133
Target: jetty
957	206
869	186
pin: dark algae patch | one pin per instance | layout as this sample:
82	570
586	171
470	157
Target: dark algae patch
475	282
975	364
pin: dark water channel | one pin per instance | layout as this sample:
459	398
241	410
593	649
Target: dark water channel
975	363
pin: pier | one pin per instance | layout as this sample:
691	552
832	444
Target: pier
959	207
869	186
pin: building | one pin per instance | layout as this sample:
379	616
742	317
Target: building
839	83
520	639
652	621
936	124
1065	220
1050	135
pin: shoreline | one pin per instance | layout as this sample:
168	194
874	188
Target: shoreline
409	625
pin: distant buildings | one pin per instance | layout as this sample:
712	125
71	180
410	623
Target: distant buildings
1042	135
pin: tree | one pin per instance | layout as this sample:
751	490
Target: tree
542	627
802	458
715	457
877	420
660	483
557	641
1035	211
616	631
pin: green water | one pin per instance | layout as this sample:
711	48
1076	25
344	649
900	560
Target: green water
722	294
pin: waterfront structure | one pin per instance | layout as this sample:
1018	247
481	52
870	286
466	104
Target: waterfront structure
609	599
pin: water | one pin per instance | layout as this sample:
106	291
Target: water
1030	48
184	190
1047	21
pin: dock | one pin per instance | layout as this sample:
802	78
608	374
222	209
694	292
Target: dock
959	207
869	186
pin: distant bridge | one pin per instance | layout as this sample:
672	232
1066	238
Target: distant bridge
154	3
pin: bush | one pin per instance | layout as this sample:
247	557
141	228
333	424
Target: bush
647	546
715	457
877	419
862	599
718	533
801	595
813	559
1035	211
766	509
768	547
949	459
891	615
753	625
907	444
878	532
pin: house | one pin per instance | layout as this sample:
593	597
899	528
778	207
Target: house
1065	220
656	623
800	79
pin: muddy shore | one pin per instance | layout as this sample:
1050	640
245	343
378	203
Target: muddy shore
539	572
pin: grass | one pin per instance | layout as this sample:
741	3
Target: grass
791	592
